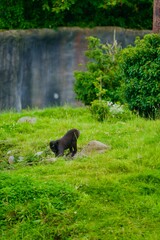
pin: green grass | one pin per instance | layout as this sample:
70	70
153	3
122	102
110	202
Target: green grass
114	195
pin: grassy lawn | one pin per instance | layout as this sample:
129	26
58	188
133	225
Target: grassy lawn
114	195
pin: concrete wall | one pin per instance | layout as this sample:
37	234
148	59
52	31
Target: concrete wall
36	66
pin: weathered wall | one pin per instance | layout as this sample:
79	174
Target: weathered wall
36	66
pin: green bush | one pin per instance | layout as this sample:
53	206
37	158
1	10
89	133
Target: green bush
102	80
99	109
102	110
118	111
142	75
84	87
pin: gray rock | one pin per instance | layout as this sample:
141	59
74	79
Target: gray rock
20	159
39	153
50	160
9	152
94	147
27	119
11	160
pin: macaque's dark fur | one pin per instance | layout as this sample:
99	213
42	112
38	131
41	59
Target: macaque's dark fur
68	141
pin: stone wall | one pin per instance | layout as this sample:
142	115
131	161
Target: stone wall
36	66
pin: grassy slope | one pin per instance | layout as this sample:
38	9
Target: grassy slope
114	195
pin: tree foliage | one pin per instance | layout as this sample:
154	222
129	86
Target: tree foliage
99	110
102	80
85	13
142	75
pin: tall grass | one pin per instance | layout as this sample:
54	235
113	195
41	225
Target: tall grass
114	195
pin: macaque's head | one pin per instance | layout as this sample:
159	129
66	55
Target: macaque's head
54	146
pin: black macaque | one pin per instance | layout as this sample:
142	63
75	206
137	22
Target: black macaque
68	141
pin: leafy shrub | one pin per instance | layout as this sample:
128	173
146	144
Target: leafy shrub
102	80
119	111
142	75
102	110
99	109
